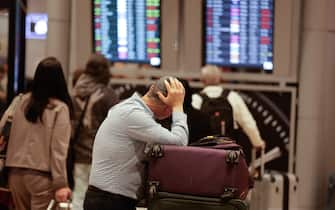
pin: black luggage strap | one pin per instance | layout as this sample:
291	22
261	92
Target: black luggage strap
212	141
225	93
204	96
80	123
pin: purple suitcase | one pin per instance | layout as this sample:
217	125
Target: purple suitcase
220	172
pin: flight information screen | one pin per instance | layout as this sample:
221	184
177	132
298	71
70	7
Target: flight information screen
239	33
127	30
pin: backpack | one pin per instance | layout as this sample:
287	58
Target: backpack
220	114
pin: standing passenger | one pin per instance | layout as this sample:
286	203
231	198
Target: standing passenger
39	139
118	152
211	78
91	87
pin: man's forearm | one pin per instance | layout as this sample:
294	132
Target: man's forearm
178	109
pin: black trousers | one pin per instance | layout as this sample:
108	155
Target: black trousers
97	199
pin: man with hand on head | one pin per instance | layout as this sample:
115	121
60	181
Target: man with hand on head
118	151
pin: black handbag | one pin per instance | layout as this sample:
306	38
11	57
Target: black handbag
5	132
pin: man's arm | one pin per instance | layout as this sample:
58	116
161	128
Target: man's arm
245	119
142	127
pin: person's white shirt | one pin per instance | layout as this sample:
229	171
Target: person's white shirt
241	114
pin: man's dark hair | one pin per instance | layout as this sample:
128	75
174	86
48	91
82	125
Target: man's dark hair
97	66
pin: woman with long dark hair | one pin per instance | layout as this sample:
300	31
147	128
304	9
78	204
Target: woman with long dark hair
39	139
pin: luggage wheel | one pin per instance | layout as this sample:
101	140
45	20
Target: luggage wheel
153	188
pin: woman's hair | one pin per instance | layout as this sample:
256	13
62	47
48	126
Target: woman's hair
97	67
49	82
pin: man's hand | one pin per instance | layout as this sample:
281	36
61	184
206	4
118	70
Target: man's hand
175	96
63	194
261	145
96	96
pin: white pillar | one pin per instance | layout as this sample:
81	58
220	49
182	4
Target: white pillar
316	115
81	34
58	32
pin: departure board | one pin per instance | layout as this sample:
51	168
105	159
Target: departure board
239	33
127	30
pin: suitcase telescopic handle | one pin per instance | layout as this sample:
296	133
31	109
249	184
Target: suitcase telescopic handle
253	161
63	205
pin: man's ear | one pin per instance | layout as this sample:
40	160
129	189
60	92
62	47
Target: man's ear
151	87
151	90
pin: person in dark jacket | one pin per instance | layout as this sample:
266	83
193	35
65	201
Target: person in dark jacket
197	121
91	88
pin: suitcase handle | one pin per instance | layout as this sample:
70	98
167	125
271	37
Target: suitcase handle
62	205
217	142
253	162
212	141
